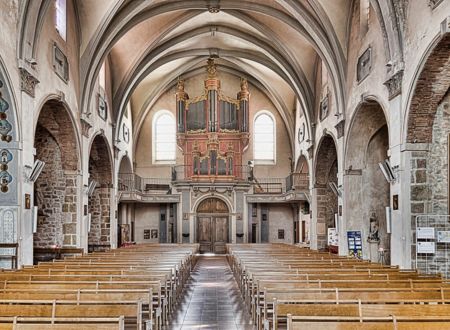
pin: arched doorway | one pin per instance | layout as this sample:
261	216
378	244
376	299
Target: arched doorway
100	179
367	147
56	189
212	225
326	190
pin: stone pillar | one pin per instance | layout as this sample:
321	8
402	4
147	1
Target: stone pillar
69	210
186	224
314	221
239	210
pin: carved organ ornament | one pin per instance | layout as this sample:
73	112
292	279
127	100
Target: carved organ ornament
212	129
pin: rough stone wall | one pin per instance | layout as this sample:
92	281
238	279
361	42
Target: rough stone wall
438	160
99	207
431	87
49	191
100	201
429	189
69	210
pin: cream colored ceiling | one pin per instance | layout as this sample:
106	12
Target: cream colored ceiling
270	41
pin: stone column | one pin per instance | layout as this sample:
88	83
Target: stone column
26	158
314	221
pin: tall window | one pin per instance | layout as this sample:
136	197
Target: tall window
264	138
102	76
61	18
164	137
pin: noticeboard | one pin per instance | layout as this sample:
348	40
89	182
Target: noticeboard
354	244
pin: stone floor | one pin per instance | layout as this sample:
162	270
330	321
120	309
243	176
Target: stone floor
211	299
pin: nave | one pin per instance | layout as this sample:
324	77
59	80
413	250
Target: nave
255	286
211	299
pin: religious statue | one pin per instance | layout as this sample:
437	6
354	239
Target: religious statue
373	229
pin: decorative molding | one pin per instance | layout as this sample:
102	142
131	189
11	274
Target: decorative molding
214	6
394	84
293	196
28	82
85	127
340	129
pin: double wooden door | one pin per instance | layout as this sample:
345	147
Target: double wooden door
212	234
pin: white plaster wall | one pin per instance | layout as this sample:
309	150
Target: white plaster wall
146	216
281	217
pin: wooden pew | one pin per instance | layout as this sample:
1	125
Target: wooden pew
151	275
57	323
392	322
131	310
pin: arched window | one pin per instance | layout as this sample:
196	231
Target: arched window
164	137
264	138
61	18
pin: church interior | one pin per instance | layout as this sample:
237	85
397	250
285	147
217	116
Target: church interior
223	164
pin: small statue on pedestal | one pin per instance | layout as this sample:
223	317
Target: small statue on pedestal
373	229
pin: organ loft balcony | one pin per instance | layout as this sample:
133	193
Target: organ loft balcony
135	188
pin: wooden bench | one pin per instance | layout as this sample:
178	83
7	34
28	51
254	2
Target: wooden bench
101	284
392	322
61	323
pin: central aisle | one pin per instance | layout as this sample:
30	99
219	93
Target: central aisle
211	299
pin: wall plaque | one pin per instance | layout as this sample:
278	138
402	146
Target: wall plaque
60	63
364	65
102	107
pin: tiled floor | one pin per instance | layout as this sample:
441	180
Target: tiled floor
211	299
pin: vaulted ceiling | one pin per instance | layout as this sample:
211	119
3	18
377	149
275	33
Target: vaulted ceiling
275	44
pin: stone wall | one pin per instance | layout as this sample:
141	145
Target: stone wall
429	188
49	191
99	208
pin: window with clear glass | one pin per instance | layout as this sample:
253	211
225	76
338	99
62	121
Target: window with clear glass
164	137
61	18
264	138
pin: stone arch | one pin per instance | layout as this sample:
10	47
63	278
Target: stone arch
326	169
56	189
367	146
99	201
126	166
301	178
430	87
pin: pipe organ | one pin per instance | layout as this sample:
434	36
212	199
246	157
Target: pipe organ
213	130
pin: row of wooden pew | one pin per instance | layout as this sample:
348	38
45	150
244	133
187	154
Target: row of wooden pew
129	288
286	285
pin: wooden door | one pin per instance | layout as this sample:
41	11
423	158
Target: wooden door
220	234
303	231
205	234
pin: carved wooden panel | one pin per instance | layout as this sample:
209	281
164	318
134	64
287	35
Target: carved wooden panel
212	205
